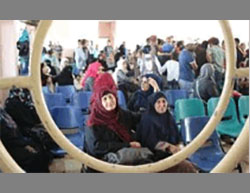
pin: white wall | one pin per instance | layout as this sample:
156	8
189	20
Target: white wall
67	32
138	31
8	53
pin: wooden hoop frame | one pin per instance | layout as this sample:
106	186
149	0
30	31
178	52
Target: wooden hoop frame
33	83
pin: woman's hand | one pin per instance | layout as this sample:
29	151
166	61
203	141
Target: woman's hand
30	149
135	144
173	149
154	84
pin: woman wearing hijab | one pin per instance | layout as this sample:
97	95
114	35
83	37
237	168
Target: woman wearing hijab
109	127
158	132
150	83
46	77
91	75
205	85
65	77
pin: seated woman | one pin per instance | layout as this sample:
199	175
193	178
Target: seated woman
205	85
46	77
25	150
109	127
157	131
150	83
65	77
91	74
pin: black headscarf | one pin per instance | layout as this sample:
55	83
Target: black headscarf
65	77
155	127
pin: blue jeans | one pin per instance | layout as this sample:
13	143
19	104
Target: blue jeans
188	86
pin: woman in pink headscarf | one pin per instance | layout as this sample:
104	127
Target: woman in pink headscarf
90	76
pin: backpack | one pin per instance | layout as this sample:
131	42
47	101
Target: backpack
130	156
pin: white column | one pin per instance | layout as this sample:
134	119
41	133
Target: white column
8	52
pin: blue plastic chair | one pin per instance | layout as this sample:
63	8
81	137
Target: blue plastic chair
53	100
80	118
66	119
82	100
121	99
210	154
67	92
174	95
243	107
229	124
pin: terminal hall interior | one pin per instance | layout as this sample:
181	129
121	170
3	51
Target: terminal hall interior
127	96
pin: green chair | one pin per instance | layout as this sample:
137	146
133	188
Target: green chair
243	107
188	108
229	124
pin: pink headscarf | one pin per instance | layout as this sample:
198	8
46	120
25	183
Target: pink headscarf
92	71
99	115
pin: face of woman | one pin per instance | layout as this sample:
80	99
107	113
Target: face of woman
46	70
144	84
161	105
109	102
100	70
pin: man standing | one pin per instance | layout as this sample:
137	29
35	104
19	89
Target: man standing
108	49
239	52
81	54
216	56
187	68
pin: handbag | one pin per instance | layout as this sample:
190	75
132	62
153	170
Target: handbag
130	156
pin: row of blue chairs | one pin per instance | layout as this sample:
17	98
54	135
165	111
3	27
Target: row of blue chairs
69	91
78	99
230	124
